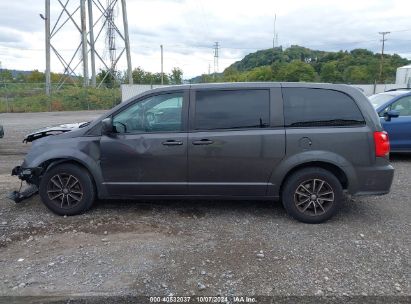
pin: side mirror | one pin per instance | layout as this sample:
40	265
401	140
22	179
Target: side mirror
107	125
391	114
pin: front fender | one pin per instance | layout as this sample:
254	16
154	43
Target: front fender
312	156
86	153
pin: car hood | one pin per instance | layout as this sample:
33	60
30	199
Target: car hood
53	131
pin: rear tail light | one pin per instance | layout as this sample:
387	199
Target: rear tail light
382	144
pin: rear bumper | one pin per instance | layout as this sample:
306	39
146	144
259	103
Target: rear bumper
374	180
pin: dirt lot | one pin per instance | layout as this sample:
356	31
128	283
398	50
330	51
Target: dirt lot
198	247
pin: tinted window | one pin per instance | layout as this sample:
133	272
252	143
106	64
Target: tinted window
161	113
304	107
232	109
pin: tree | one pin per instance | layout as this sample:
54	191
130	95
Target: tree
330	73
139	76
231	74
263	73
110	80
298	63
142	77
357	74
297	71
176	76
36	77
6	76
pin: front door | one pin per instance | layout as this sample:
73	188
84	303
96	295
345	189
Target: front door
233	146
399	128
147	153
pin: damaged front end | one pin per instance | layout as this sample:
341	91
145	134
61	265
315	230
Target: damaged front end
55	130
32	177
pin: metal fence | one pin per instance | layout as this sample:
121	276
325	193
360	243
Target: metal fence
31	97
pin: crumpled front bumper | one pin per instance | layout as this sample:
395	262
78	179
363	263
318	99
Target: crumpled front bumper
31	177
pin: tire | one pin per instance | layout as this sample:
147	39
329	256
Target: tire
67	189
312	195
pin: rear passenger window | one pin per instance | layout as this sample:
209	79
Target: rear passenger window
232	109
304	107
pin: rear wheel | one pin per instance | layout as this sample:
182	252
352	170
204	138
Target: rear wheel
312	195
67	189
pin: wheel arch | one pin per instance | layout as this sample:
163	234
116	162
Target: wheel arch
95	176
334	169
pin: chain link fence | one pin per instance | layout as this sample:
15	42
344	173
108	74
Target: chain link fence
31	97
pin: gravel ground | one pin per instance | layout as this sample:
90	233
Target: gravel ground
198	247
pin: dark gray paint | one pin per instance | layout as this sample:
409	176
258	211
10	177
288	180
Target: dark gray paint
237	164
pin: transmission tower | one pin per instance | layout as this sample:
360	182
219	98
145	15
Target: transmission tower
216	55
111	33
74	14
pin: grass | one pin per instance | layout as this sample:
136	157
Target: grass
16	98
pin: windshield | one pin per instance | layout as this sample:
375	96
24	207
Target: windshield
378	100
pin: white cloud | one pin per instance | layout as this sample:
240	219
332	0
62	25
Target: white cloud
189	28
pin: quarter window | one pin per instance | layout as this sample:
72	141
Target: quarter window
233	109
305	107
160	113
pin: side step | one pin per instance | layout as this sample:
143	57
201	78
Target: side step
19	196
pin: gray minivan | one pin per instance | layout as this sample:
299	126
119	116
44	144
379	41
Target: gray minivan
306	144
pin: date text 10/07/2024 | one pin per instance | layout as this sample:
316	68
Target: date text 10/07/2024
203	299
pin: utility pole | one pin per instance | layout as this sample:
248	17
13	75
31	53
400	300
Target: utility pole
162	70
274	34
92	47
382	54
216	55
47	36
127	41
84	41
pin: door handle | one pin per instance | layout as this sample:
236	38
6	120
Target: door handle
172	143
203	141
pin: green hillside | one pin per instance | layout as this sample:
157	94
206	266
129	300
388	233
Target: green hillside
296	63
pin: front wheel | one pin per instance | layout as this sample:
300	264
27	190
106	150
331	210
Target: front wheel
67	189
312	195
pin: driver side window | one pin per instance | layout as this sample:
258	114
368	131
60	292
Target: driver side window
403	106
160	113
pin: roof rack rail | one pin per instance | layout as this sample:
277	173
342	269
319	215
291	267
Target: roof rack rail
398	89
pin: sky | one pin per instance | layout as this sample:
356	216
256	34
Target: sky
188	29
